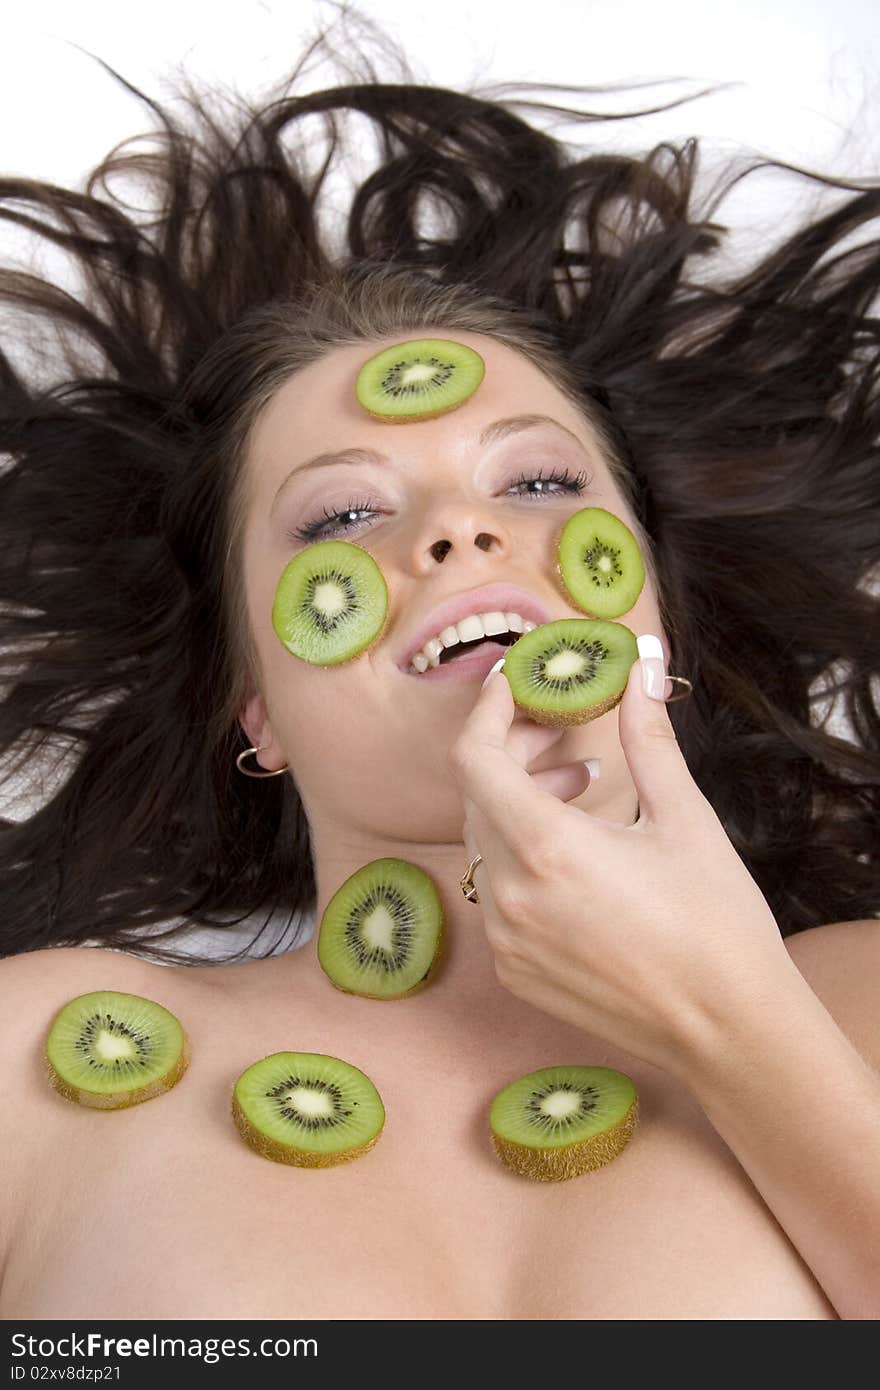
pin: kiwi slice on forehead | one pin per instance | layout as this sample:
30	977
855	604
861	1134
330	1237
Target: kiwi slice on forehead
559	1122
307	1109
599	563
570	671
418	380
331	603
381	933
110	1050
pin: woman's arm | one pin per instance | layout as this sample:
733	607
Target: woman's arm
792	1085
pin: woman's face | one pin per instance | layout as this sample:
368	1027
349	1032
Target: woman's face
367	742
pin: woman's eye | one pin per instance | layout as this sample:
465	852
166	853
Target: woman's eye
346	521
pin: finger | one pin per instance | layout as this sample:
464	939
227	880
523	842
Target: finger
666	790
565	783
491	777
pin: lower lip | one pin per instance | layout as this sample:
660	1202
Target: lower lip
466	668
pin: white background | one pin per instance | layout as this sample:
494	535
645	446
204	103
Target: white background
800	80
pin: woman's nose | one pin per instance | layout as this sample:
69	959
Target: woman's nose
483	540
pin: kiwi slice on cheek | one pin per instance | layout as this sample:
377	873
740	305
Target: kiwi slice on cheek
109	1050
381	933
570	671
307	1109
559	1122
331	603
599	563
418	380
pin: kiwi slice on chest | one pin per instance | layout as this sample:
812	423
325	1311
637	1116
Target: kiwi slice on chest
561	1121
381	933
570	671
331	603
599	563
110	1050
307	1109
418	380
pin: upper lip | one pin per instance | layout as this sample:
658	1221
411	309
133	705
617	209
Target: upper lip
491	598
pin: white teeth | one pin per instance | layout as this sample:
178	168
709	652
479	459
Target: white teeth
494	623
470	629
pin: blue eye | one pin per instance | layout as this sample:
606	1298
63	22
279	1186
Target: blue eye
335	522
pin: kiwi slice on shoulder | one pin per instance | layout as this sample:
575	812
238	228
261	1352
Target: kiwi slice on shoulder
570	671
109	1050
561	1121
331	603
307	1109
599	563
381	933
418	380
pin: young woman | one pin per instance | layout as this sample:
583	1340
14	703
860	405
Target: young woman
700	915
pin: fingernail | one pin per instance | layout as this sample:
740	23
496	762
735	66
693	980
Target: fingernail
653	669
496	667
594	767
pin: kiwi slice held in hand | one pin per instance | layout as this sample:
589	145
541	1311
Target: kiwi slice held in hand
381	933
418	380
307	1109
559	1122
599	563
331	603
570	671
109	1050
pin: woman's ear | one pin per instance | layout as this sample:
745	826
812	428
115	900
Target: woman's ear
256	725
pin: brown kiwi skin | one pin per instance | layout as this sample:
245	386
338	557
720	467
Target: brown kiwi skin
571	1160
554	719
297	1158
414	419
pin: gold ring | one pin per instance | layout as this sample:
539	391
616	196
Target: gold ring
467	880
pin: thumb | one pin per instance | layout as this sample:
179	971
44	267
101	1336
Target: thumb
661	776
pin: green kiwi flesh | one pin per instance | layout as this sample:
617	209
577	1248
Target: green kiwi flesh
307	1109
599	563
109	1050
381	933
331	603
418	380
561	1121
570	671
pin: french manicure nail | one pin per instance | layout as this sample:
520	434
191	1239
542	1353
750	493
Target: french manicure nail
594	767
653	668
497	667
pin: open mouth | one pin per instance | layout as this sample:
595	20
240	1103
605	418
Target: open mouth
460	649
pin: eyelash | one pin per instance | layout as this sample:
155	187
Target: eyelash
313	529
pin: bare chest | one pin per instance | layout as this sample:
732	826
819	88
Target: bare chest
161	1211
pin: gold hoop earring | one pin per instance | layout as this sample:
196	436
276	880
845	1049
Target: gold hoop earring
683	694
247	772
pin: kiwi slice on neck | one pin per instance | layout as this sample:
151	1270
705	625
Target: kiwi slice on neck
381	933
418	380
570	671
331	603
559	1122
307	1109
109	1050
599	563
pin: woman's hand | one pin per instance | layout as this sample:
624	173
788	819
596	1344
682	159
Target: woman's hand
639	934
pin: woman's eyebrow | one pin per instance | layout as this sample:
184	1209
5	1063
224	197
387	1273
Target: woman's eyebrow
498	430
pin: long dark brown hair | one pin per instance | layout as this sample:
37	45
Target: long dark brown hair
738	414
